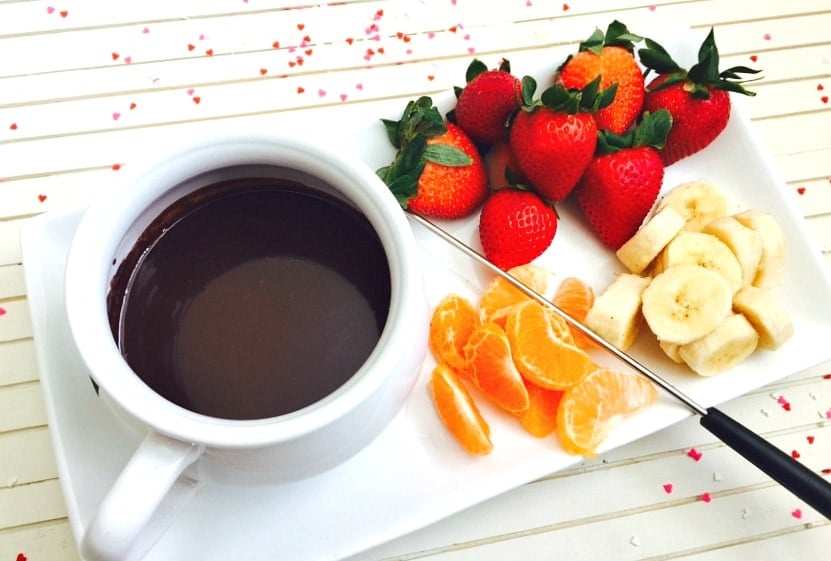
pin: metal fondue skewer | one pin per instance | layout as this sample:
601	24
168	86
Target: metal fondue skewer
794	476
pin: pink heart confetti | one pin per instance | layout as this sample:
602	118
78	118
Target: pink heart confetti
190	91
359	86
706	497
50	10
116	116
128	59
797	513
343	97
2	311
146	30
652	7
321	93
767	37
694	454
828	414
668	488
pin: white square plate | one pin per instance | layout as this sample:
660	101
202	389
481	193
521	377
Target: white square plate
413	474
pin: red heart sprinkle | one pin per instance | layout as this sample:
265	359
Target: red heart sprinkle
263	71
191	46
824	99
786	406
116	167
308	52
668	488
810	439
431	77
820	87
64	13
350	40
20	556
565	7
13	126
795	455
197	99
800	190
132	106
41	198
292	64
826	471
307	39
827	376
275	45
754	58
300	89
115	56
300	26
453	29
209	52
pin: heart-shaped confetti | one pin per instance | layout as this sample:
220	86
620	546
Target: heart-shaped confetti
300	89
190	91
797	513
275	45
115	56
2	311
694	454
116	116
64	13
263	71
706	497
197	100
343	97
132	106
191	46
810	439
209	52
668	488
800	190
795	454
321	93
41	197
116	167
824	99
754	58
146	30
50	10
301	26
128	59
13	127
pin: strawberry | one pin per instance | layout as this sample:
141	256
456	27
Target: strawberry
553	138
515	227
486	102
437	171
611	57
622	182
697	98
503	170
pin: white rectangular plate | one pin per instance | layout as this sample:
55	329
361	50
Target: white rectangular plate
413	474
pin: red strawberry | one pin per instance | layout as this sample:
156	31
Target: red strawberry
623	181
437	171
697	98
609	56
554	138
515	227
485	103
503	170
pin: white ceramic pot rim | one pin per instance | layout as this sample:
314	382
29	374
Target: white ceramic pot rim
107	219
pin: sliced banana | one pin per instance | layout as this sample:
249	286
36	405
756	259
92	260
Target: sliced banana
771	269
732	341
706	250
698	202
686	302
746	244
615	314
642	248
671	350
766	313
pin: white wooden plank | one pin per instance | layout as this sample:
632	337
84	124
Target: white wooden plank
21	407
28	504
28	457
11	281
10	242
15	322
788	135
45	541
17	362
813	196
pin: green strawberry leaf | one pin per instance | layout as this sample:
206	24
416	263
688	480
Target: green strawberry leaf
653	129
529	87
618	35
447	155
594	43
505	65
475	68
609	142
655	57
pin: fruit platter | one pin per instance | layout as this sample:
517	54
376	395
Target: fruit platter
426	466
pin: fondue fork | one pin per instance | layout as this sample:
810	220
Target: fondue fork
794	476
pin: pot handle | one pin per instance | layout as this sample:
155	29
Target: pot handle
131	519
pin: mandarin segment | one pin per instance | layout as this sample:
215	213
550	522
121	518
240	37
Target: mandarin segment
499	296
492	368
458	411
543	348
453	320
540	419
575	297
591	409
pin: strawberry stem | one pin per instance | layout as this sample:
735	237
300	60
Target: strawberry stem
571	101
420	121
702	76
652	130
617	35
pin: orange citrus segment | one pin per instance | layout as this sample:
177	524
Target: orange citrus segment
458	412
492	369
543	348
592	408
540	419
452	323
575	297
500	296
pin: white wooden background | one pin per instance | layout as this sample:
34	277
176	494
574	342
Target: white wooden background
86	85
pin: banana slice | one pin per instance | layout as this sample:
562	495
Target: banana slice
771	270
746	244
722	348
699	202
766	313
615	314
671	350
686	302
706	250
642	248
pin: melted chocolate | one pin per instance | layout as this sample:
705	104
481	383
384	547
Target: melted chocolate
251	298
